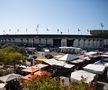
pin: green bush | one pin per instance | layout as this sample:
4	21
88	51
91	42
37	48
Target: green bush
9	55
43	83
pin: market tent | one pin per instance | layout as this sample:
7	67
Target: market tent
52	61
58	56
58	63
77	61
106	65
9	77
30	69
84	57
91	53
95	68
41	65
104	55
34	75
29	77
65	65
68	57
2	85
81	74
40	73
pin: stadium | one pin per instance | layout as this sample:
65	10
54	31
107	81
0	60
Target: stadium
96	40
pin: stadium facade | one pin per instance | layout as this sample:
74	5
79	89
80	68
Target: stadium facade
81	41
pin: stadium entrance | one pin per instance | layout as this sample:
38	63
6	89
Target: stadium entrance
70	43
57	42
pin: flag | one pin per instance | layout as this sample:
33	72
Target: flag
37	25
68	30
37	28
79	29
88	30
47	29
17	30
61	32
9	30
102	25
57	30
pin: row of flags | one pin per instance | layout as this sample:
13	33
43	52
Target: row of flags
46	30
58	30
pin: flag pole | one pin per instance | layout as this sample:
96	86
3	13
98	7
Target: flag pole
102	26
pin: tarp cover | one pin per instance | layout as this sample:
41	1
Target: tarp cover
95	68
2	85
68	57
9	77
81	74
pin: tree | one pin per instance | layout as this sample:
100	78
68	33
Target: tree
9	55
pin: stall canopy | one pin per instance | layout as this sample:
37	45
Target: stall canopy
29	77
30	69
81	74
34	75
95	68
58	63
77	61
90	53
41	65
9	77
41	73
68	57
2	85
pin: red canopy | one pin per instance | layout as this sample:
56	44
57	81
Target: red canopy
30	69
40	73
29	77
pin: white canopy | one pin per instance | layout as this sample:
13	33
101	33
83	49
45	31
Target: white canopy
77	61
2	85
77	75
95	68
41	65
65	65
68	57
51	61
46	50
58	63
106	64
104	55
91	53
9	77
58	56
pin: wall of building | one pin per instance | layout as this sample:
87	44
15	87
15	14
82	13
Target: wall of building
91	43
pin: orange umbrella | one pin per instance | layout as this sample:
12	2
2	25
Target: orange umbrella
40	73
29	77
30	69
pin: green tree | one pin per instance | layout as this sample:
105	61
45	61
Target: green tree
9	55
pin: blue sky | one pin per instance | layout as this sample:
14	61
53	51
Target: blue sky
52	14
